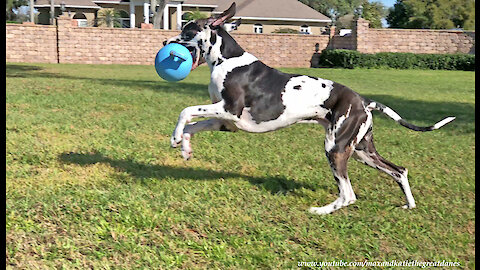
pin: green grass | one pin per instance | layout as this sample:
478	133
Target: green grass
91	180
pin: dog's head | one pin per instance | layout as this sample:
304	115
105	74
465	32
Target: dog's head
198	35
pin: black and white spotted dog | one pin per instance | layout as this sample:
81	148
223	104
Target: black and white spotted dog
251	96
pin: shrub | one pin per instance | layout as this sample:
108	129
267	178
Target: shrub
286	31
194	15
108	17
353	59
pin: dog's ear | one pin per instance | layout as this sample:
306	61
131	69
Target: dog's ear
236	23
222	18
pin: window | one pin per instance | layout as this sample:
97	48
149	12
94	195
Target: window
124	19
305	29
258	28
82	23
81	19
186	17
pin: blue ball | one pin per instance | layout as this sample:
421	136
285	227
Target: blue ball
173	62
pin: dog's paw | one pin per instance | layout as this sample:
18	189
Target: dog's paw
407	206
187	151
187	155
175	141
320	210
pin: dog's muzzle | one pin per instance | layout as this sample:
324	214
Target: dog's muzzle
195	56
194	52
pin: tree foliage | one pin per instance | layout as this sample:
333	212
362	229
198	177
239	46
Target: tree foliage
432	14
11	5
372	11
195	15
108	17
286	30
333	8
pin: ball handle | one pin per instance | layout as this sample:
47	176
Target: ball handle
175	54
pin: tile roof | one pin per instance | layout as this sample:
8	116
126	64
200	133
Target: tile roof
202	2
262	9
273	9
68	3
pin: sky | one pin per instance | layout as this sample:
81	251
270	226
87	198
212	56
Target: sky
387	3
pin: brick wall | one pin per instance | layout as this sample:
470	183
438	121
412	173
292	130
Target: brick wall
343	42
370	40
94	45
98	45
139	46
31	43
282	50
89	45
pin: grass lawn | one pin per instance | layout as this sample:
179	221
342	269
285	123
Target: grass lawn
91	180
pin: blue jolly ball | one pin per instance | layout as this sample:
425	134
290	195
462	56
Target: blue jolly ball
173	62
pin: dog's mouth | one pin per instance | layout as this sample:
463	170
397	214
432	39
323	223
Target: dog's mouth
195	56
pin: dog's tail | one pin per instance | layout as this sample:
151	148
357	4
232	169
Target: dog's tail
392	114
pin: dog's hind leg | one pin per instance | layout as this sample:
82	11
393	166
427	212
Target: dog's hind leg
338	163
206	125
342	133
339	147
366	153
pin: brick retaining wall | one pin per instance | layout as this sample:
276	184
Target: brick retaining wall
31	43
370	40
282	50
98	45
95	45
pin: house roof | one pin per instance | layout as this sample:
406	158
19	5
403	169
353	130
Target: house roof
284	10
68	3
202	3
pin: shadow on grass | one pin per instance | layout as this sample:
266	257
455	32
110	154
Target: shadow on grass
276	185
21	71
428	113
184	88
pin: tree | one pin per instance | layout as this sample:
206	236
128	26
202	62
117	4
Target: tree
195	15
373	12
108	17
433	14
398	15
334	8
12	5
157	12
286	30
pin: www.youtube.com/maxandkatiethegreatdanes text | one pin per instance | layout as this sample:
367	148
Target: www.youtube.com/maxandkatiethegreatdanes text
406	263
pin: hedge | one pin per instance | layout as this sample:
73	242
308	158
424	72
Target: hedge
354	59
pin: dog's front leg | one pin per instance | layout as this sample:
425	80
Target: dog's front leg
215	110
206	125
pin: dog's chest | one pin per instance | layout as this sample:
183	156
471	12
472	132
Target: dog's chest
215	89
219	74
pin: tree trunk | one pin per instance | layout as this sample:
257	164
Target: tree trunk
157	13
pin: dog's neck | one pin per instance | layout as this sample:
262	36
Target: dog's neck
218	46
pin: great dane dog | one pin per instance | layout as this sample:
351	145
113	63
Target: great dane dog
251	96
